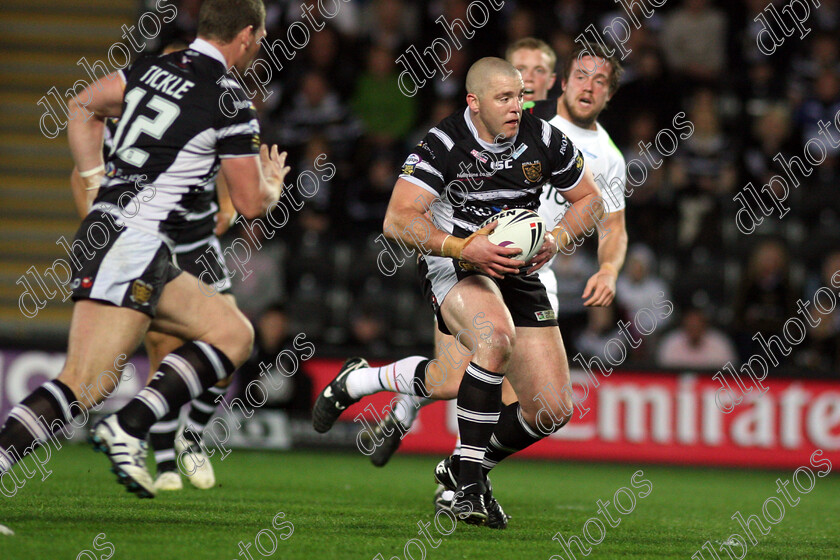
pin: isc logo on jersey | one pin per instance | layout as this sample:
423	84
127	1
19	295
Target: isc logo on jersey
501	164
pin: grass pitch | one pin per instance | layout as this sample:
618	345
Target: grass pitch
342	507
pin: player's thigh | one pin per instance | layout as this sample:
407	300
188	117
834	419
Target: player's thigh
475	297
538	361
186	312
99	333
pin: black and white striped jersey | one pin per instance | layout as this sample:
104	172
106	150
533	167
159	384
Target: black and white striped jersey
182	113
476	179
200	222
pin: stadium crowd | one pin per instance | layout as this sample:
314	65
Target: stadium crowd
338	97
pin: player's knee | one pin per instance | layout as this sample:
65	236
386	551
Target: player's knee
498	346
235	338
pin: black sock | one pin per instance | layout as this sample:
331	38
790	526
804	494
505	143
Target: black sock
182	375
34	421
512	434
202	409
162	440
479	401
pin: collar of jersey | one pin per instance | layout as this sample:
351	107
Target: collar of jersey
495	148
565	124
202	46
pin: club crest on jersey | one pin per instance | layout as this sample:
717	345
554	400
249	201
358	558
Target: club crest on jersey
532	171
546	315
410	163
141	292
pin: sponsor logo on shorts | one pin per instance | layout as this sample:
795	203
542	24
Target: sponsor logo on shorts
410	163
75	284
87	282
532	171
141	292
547	315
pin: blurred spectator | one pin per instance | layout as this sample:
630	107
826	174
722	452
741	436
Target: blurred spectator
823	105
649	213
638	287
694	345
601	326
646	88
261	279
367	331
317	109
386	113
766	297
572	273
704	171
391	24
694	41
368	196
288	385
822	347
763	88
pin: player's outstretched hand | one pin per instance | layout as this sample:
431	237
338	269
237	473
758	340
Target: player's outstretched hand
549	249
600	289
274	166
488	257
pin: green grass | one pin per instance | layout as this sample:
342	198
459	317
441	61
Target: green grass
342	507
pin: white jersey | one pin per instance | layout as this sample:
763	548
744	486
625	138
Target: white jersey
605	161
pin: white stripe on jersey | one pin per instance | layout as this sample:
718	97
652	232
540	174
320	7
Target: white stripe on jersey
250	127
546	133
506	194
429	169
420	183
444	137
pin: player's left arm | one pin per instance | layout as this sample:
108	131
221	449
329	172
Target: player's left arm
612	248
86	126
612	243
227	213
586	203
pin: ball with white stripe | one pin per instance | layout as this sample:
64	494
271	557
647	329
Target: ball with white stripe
518	228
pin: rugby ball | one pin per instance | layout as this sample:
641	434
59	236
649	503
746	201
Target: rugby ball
518	228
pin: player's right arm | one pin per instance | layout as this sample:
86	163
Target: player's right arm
86	128
406	221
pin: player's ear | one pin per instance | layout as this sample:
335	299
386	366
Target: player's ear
472	101
551	80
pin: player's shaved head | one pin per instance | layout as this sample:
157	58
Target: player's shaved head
482	72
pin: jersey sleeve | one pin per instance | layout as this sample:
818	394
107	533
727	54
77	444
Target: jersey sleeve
565	159
426	164
238	135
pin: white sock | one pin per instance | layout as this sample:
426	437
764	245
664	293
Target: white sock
407	408
397	378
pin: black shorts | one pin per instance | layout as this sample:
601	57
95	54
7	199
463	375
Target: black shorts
119	265
204	260
524	296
